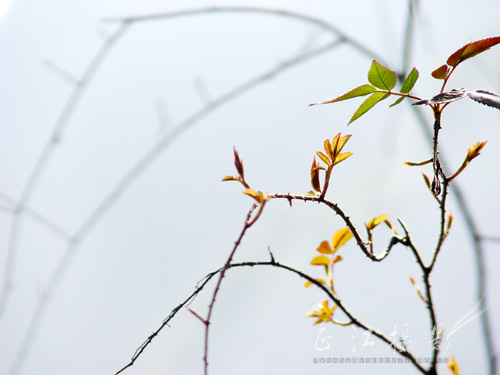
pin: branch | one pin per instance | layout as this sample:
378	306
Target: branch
401	350
207	321
442	235
165	322
361	244
481	290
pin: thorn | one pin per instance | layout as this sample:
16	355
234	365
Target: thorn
199	317
271	255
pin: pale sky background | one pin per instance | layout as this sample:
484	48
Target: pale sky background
176	221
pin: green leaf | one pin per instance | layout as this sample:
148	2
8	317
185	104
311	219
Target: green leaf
358	91
409	82
401	98
368	104
381	77
471	49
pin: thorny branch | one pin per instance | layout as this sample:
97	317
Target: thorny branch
248	223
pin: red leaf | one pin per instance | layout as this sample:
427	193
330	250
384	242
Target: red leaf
441	72
472	49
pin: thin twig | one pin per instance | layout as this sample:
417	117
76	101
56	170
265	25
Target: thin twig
165	322
471	225
442	225
248	223
361	244
401	350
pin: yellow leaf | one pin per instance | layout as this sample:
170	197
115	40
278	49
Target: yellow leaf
453	366
341	237
324	158
450	223
320	260
376	221
328	148
324	248
231	178
417	164
322	312
309	283
342	142
255	195
474	150
342	157
335	144
417	289
338	258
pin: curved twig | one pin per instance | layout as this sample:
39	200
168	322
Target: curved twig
361	244
401	350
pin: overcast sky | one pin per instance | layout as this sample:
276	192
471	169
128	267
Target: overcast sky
127	211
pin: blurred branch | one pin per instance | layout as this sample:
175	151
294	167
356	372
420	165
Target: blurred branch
246	10
42	162
408	40
64	74
53	226
132	175
481	290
